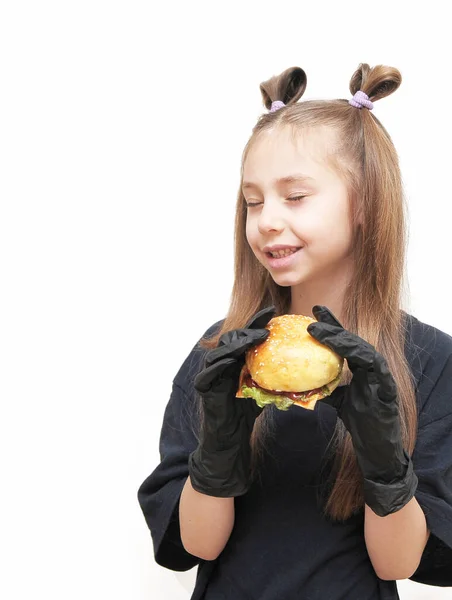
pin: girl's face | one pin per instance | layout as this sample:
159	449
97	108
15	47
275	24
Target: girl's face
297	217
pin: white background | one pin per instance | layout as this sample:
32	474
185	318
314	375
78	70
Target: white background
122	127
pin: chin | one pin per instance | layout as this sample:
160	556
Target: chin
287	279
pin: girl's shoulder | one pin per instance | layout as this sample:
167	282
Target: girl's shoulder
429	354
193	364
424	336
425	345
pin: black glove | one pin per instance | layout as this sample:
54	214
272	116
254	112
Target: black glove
220	466
369	411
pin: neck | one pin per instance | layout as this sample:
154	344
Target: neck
328	292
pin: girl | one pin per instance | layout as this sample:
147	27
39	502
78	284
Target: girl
341	501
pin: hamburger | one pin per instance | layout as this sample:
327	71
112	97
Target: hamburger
290	367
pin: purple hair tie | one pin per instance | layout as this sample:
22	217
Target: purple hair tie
276	105
360	100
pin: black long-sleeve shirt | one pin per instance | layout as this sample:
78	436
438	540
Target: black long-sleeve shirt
282	547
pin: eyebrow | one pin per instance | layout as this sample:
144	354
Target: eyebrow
297	177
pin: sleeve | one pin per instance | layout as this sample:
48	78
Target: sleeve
432	459
159	494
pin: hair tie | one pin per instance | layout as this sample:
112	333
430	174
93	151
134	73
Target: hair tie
360	100
276	105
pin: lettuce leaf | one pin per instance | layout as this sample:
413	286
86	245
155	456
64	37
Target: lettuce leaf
263	398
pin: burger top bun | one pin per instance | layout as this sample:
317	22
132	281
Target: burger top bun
290	359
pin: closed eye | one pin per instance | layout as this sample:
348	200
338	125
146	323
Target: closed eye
290	199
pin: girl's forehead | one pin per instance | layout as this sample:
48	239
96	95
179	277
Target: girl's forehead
278	153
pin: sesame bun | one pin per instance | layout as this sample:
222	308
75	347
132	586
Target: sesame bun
291	360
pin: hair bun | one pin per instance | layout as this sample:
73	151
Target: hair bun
288	87
377	82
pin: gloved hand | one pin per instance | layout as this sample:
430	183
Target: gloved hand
220	466
369	411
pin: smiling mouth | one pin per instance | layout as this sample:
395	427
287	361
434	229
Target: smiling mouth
282	253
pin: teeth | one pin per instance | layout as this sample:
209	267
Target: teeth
282	253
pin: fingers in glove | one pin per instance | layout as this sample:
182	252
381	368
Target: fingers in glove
204	379
261	319
323	314
235	343
357	351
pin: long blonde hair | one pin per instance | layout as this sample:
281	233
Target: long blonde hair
368	162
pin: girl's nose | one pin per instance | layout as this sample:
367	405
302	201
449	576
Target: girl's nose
270	219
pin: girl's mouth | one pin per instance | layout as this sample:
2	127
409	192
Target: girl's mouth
281	259
282	253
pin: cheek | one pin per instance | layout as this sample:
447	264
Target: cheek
324	230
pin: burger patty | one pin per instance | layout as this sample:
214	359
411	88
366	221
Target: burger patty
300	396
